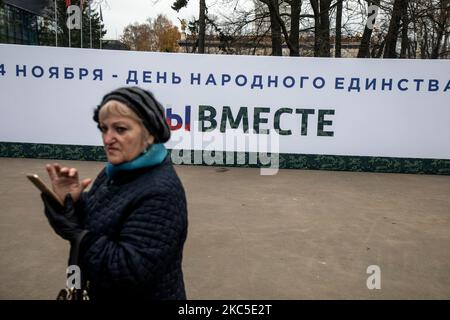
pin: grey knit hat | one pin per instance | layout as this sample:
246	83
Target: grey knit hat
144	104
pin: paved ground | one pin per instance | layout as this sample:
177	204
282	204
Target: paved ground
296	235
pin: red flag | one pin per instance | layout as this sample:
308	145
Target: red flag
68	3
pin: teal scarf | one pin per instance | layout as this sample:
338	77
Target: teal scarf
153	156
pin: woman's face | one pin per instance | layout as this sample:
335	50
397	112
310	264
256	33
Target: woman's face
124	138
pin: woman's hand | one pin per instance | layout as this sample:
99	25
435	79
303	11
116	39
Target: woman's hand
65	180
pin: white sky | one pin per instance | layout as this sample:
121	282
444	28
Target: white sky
120	13
117	14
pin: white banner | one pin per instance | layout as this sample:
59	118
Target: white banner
358	107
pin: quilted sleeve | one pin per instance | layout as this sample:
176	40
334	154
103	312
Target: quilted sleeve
151	239
80	205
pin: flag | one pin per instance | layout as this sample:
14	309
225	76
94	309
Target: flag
68	3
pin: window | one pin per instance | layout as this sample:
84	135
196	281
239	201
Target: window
17	26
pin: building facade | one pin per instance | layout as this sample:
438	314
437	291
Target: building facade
19	21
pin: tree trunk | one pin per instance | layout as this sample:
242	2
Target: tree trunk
274	9
441	27
202	27
424	43
275	28
405	40
316	11
394	27
437	45
321	27
445	45
295	27
324	30
379	53
415	42
338	40
364	47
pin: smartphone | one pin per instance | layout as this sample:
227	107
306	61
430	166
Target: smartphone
34	178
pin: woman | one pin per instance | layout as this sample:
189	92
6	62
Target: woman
130	228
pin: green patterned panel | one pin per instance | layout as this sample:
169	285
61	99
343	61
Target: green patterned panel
51	151
244	159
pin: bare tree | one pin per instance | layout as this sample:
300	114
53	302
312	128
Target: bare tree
404	37
273	7
406	29
394	27
321	11
202	27
429	31
441	24
296	7
364	48
338	40
200	43
248	30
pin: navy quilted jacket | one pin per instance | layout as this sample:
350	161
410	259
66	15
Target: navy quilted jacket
138	226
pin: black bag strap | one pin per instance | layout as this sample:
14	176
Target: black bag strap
75	249
74	260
